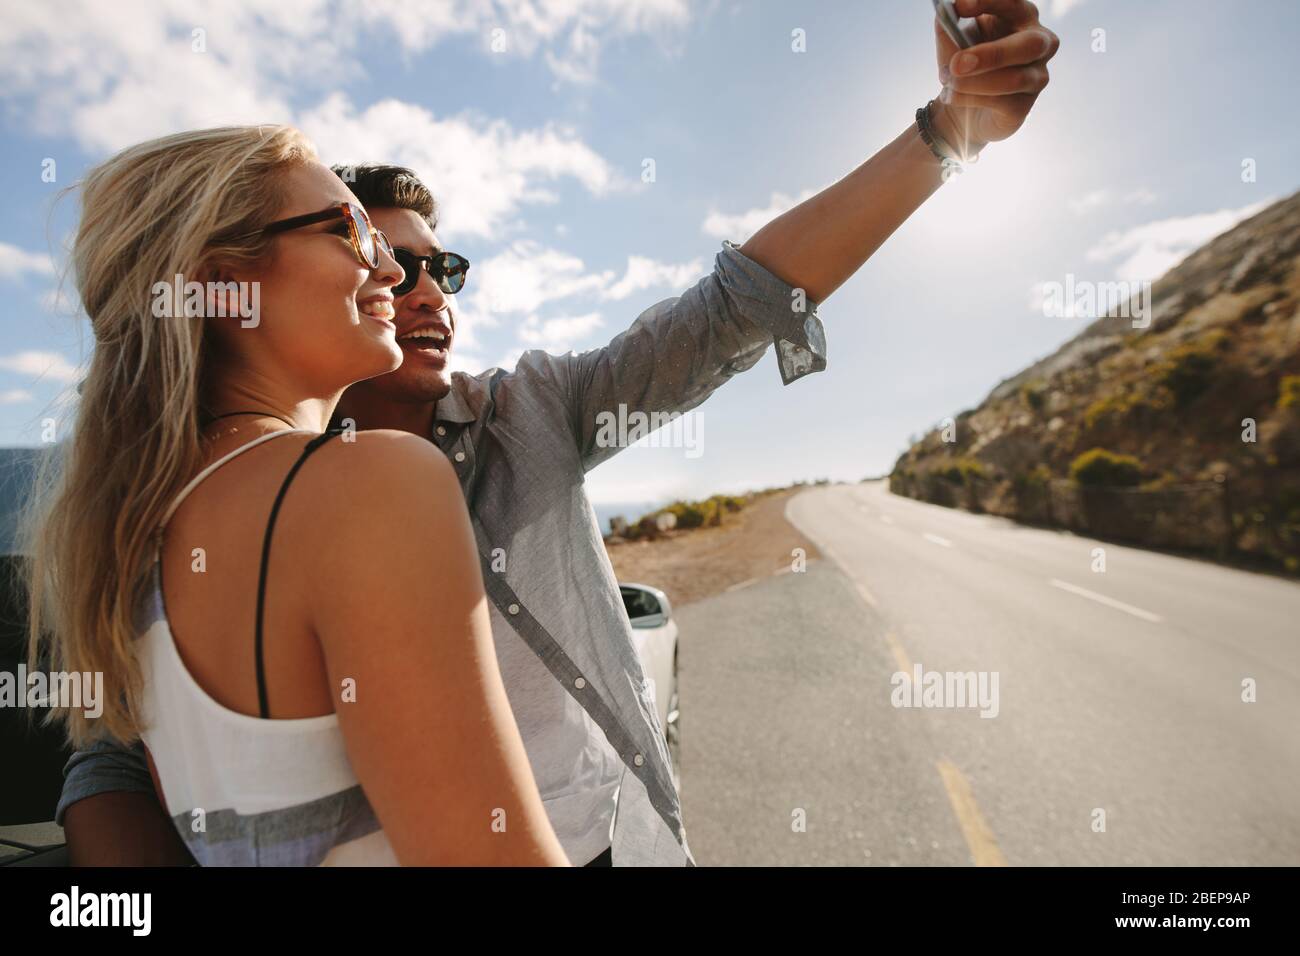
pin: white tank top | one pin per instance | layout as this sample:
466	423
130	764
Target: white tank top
243	790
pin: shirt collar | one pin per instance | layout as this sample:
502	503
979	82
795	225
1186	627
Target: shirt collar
452	407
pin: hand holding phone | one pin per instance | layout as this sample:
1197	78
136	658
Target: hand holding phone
963	31
992	67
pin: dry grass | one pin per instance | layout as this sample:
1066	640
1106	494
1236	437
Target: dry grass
690	565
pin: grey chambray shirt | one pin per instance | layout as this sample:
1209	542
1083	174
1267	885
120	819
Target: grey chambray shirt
521	443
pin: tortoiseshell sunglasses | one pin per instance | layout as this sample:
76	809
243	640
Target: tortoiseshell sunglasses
365	238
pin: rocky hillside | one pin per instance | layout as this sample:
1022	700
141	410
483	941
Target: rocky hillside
1185	433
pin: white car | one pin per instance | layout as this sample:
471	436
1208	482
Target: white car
654	634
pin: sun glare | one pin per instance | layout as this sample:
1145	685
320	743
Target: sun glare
988	197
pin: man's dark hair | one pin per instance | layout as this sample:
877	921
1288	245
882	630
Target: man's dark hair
389	187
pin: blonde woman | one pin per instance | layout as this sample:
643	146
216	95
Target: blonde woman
292	619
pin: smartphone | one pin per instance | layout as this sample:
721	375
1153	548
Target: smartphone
963	31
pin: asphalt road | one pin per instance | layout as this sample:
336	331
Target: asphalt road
1120	736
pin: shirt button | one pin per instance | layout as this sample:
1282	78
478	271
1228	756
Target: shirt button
580	683
513	609
441	430
460	456
638	760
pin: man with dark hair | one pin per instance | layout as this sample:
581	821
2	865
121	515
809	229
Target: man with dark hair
522	441
405	209
381	186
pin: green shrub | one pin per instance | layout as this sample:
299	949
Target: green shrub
1112	405
1288	393
1101	468
1033	396
709	512
1166	479
962	471
1188	371
689	514
1036	477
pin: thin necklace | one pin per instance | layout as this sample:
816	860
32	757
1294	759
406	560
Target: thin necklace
234	429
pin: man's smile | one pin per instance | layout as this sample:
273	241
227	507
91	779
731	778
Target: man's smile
427	339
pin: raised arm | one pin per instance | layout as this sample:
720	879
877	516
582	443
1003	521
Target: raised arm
675	354
402	618
679	351
820	243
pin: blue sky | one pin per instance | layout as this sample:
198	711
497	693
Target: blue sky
531	121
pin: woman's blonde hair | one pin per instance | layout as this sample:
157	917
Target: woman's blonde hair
186	204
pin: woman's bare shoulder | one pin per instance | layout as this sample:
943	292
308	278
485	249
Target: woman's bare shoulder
366	484
379	456
387	509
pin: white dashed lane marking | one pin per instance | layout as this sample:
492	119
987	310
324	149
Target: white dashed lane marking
1108	601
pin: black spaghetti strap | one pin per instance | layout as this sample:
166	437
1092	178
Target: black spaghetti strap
310	447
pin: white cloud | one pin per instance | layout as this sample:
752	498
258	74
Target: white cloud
1152	249
59	301
111	74
468	362
741	226
481	171
643	273
570	33
1089	201
14	396
16	263
558	335
40	365
1105	197
527	276
510	359
116	79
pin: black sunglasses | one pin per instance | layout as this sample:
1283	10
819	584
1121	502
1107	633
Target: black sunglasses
447	269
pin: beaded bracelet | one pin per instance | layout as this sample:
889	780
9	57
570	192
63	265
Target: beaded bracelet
940	147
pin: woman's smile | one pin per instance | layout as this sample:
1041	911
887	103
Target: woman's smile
380	308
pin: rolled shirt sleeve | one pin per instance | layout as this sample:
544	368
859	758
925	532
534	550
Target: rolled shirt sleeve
680	350
785	312
103	767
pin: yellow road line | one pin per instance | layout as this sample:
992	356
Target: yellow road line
900	655
866	595
979	838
